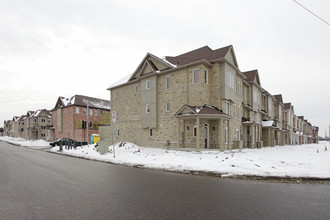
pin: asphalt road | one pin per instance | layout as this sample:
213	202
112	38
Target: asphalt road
40	185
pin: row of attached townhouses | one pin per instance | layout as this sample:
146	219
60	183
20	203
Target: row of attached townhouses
201	99
77	117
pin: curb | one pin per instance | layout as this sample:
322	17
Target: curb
276	179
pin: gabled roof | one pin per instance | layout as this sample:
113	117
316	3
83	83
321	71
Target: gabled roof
199	110
21	118
252	76
287	105
29	113
203	53
150	64
15	118
41	112
79	100
278	98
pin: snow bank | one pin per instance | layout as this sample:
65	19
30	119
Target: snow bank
311	161
37	144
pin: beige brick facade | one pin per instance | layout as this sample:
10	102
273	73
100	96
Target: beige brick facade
159	105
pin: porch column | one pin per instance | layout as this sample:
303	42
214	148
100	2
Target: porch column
221	134
178	134
198	134
269	134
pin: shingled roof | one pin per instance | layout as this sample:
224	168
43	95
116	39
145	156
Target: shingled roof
203	53
287	105
278	98
80	100
251	75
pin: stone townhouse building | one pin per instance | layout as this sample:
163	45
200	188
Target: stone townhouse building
39	125
8	128
72	116
199	99
19	126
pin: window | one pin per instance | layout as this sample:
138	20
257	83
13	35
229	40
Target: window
48	120
239	87
206	77
147	108
118	113
232	81
90	111
90	124
167	107
230	78
43	135
150	132
237	135
118	132
19	123
235	111
84	110
227	108
35	120
136	89
195	76
245	93
95	112
167	85
83	124
43	120
22	123
77	110
117	94
43	127
101	112
226	135
148	84
195	131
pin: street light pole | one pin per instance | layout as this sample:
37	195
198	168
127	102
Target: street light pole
87	124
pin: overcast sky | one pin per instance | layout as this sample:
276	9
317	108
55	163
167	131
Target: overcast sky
66	47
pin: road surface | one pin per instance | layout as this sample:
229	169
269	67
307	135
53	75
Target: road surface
40	185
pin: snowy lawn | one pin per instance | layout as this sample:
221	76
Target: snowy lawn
38	144
303	161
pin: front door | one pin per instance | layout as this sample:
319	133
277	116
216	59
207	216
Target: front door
206	135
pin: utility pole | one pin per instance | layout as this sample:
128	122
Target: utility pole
87	124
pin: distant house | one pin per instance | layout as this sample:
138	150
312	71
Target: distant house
39	125
72	117
8	130
18	126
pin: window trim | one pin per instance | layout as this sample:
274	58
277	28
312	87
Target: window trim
167	82
195	131
148	84
148	110
237	135
136	89
206	77
195	73
168	107
227	107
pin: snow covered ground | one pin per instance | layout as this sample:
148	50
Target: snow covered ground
302	161
37	144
